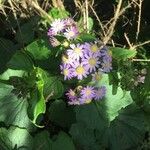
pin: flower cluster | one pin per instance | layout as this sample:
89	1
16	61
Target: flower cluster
81	60
65	27
85	95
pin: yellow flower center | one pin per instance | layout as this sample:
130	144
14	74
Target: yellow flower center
77	50
98	77
71	33
88	92
65	59
92	61
66	72
88	101
72	93
80	70
94	48
66	44
110	53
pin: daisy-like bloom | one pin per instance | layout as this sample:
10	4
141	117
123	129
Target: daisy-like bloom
80	71
54	42
71	33
66	71
91	61
66	60
100	93
57	25
71	95
97	76
106	66
51	32
83	100
76	51
87	92
92	48
69	22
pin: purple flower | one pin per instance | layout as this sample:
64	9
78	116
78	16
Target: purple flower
91	61
57	25
97	76
71	95
71	33
106	66
87	92
69	22
83	100
66	71
54	42
66	60
80	70
100	93
76	51
51	32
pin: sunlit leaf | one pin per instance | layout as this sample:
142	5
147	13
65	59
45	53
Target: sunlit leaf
15	137
13	110
39	49
122	53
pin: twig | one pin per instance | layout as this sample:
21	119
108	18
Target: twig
98	19
111	28
87	15
141	60
144	43
139	18
41	11
128	41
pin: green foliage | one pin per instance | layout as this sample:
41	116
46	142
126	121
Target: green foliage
6	51
122	53
39	49
58	112
58	13
34	114
9	139
13	109
21	61
113	120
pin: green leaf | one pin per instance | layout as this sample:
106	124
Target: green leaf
84	137
122	53
53	88
13	110
21	61
26	33
37	105
63	142
90	24
57	13
58	112
7	49
39	49
81	24
116	123
15	137
9	73
126	131
87	37
42	141
37	101
113	103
